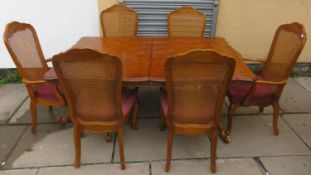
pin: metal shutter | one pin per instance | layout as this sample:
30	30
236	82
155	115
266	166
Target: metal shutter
153	14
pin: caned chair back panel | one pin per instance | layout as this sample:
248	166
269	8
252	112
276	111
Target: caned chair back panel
23	45
92	84
186	22
287	45
196	85
119	20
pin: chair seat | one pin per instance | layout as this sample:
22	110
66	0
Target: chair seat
129	97
263	92
46	92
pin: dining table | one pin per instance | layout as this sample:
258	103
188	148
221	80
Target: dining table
143	57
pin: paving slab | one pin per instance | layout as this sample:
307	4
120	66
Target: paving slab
149	143
288	165
108	169
224	167
295	98
53	145
19	172
149	101
305	82
23	115
12	96
9	136
301	123
252	136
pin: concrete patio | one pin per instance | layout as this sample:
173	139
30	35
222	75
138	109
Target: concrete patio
254	149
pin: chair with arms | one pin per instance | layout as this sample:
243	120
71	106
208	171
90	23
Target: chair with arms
196	85
186	22
92	86
119	20
267	88
22	42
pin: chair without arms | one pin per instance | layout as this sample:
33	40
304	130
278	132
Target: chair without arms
119	20
23	45
186	22
267	88
92	86
196	85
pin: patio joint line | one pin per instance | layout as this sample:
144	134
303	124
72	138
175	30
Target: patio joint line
296	113
114	147
302	85
261	165
301	155
16	109
19	139
144	161
71	165
150	168
37	172
296	133
55	166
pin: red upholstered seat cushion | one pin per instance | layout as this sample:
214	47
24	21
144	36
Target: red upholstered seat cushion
236	92
129	97
163	100
46	92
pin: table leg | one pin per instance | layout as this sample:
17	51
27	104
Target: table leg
224	136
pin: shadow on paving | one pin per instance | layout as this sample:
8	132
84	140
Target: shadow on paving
25	145
23	115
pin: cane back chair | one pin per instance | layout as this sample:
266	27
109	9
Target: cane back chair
22	42
119	20
92	86
186	22
196	85
267	88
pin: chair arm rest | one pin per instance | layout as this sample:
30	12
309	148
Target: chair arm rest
31	82
254	60
48	60
271	82
242	79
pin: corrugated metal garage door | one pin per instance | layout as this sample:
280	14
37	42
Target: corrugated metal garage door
153	14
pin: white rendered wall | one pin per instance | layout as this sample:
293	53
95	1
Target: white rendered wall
59	23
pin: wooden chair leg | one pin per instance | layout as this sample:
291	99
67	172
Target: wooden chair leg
77	140
170	137
213	139
121	148
33	109
134	123
276	111
261	109
50	108
232	109
107	137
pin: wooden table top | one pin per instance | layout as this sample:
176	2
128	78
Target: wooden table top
143	58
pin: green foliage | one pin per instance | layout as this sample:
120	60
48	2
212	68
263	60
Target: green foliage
295	72
10	76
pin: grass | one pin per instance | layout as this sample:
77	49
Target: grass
10	76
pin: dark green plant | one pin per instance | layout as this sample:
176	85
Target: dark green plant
10	76
295	72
